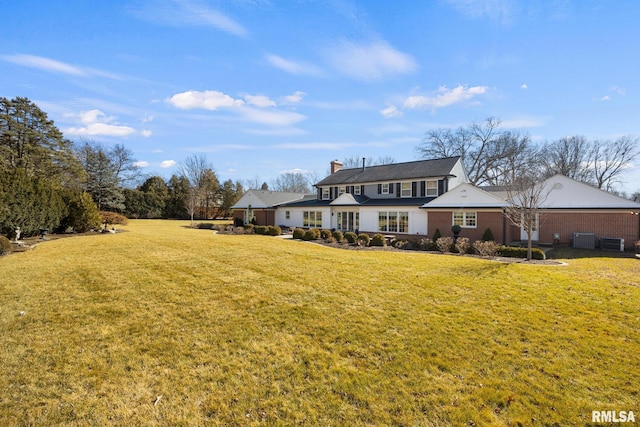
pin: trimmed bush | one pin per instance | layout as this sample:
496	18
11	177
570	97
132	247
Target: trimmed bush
350	236
248	228
425	244
331	239
513	252
486	248
338	236
363	239
378	240
325	234
112	218
311	234
5	246
276	230
260	229
456	229
436	235
298	233
487	236
205	226
462	245
444	244
402	244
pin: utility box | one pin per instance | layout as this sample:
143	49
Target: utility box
584	240
612	244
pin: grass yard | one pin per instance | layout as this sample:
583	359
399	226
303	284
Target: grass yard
167	325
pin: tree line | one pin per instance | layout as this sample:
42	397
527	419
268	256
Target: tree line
496	156
49	182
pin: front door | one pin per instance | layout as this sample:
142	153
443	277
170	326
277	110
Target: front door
348	221
535	233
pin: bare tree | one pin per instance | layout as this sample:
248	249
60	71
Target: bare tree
291	182
611	159
569	156
194	169
526	197
356	161
490	155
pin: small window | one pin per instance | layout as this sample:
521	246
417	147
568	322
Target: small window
325	193
356	190
287	214
432	188
385	188
465	219
342	190
405	189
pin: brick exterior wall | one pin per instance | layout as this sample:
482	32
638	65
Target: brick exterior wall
619	224
263	216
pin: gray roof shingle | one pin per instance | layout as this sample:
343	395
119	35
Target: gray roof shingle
392	172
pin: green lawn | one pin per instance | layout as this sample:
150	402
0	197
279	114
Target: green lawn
167	325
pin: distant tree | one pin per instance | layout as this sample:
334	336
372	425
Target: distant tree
194	169
30	142
124	165
490	155
569	156
264	186
356	161
612	158
102	181
82	213
155	195
291	182
229	195
178	194
210	194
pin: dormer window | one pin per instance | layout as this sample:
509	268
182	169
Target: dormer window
385	188
356	190
325	193
342	190
405	189
432	188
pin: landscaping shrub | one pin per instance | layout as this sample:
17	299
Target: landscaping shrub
248	228
311	234
462	245
5	246
444	244
486	248
331	239
378	240
436	235
402	244
276	230
425	244
487	236
109	218
363	239
298	233
513	252
325	234
350	236
338	236
260	229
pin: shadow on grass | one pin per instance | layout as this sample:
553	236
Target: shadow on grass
571	253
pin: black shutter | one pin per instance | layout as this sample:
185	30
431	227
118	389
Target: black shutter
423	188
319	193
398	189
440	186
379	188
414	189
335	192
391	188
352	189
347	188
362	190
330	193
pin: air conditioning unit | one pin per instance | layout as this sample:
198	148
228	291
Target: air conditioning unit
612	244
584	240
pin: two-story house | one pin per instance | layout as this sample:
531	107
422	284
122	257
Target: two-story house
383	198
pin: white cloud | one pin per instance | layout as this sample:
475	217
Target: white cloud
167	163
96	123
293	67
369	62
45	64
444	97
191	13
208	100
259	101
524	86
146	133
272	117
54	66
605	98
618	90
294	171
391	111
295	98
141	164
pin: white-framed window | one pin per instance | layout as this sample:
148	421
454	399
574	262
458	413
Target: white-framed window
356	190
432	188
393	222
312	219
405	189
287	214
325	193
385	188
465	219
342	190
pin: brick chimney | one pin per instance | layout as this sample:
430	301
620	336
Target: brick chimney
335	166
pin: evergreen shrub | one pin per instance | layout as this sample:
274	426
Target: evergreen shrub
5	246
351	237
378	240
364	239
298	233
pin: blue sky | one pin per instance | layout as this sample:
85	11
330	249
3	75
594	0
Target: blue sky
263	87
